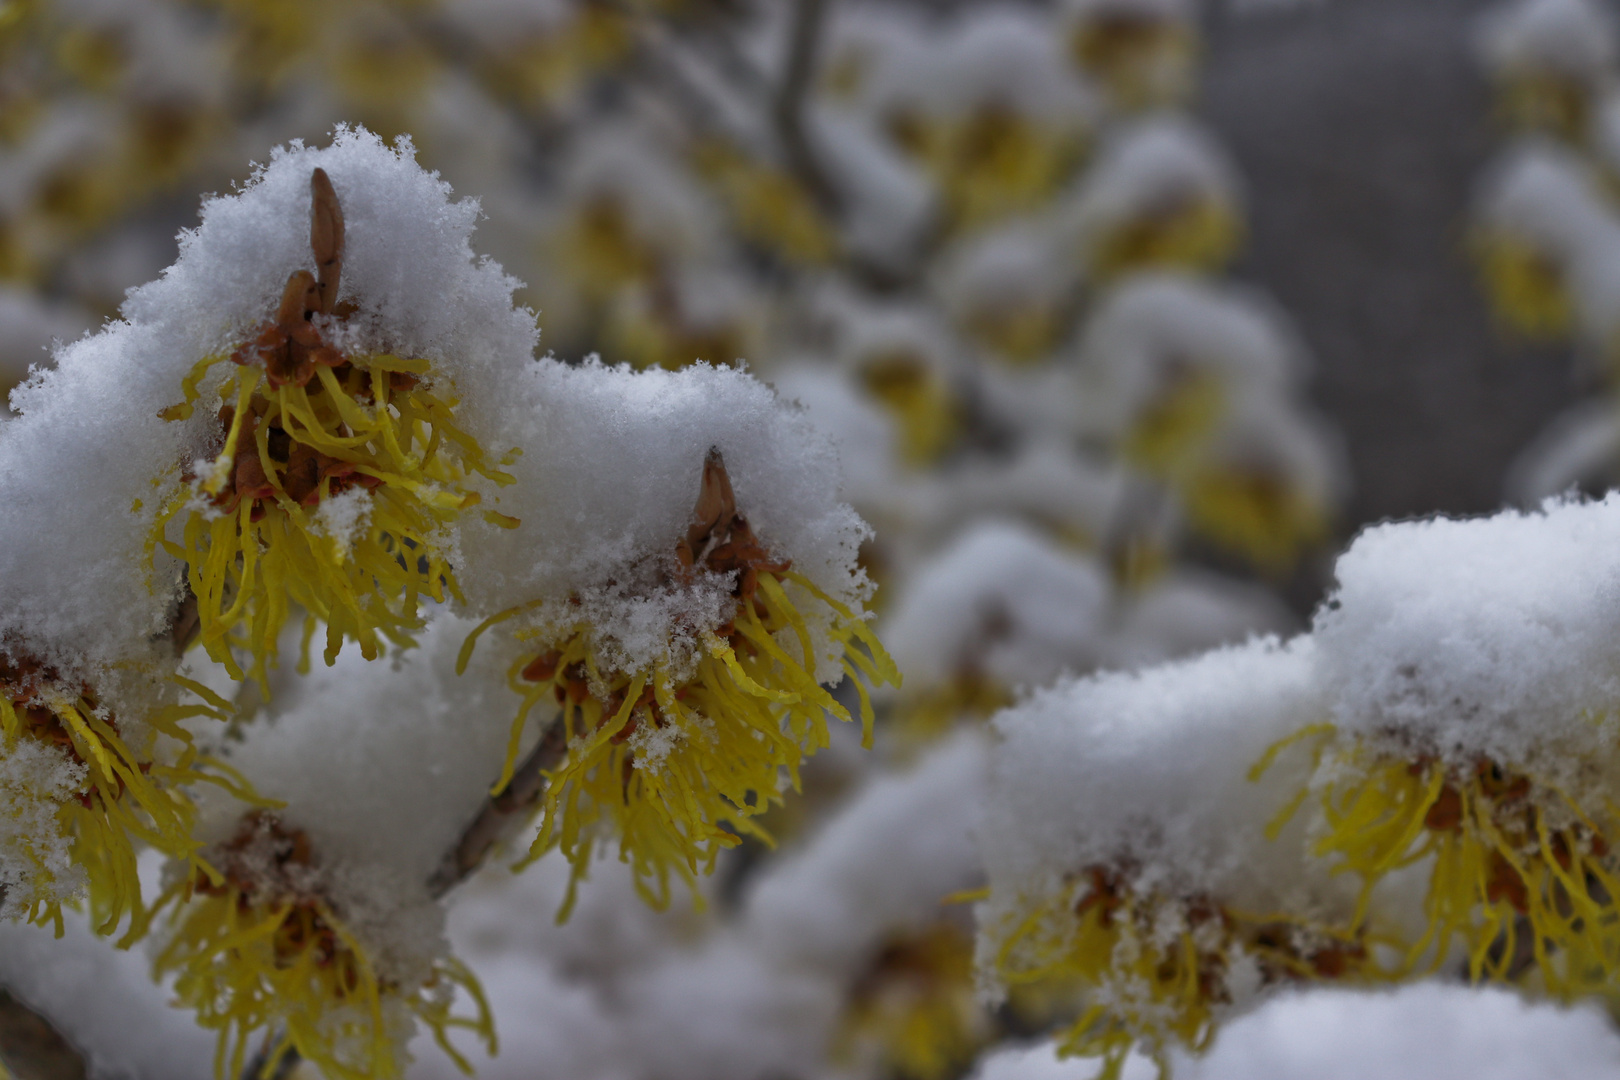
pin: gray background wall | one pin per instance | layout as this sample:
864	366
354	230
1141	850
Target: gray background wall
1362	127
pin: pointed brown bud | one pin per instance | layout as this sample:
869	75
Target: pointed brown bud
326	237
716	507
299	299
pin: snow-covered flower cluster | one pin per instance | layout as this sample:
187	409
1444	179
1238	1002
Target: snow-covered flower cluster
1425	779
1547	223
306	426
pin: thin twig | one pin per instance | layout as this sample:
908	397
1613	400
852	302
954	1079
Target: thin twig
787	110
31	1048
501	813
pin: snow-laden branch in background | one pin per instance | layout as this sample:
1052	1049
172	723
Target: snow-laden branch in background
1161	194
1143	51
1552	60
1549	245
684	584
1004	610
1198	387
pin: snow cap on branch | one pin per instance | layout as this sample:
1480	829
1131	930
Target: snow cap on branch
1489	636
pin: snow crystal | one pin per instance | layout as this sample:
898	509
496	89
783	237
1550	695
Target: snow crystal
35	857
610	473
1487	636
1152	766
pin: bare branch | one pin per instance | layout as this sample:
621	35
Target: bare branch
501	813
787	110
31	1048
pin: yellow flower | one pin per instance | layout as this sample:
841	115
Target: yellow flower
1546	100
339	479
769	206
260	949
1526	288
1155	970
1193	233
1520	873
1144	60
671	764
921	401
991	162
128	796
1255	512
914	1008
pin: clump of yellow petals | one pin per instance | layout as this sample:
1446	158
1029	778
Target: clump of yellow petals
1526	288
1155	972
1196	232
659	334
769	206
260	526
544	67
1144	60
128	796
1520	874
1255	513
919	399
922	717
1019	335
259	542
1545	100
260	950
914	1009
989	163
672	765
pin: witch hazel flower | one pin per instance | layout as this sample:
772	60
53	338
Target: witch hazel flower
692	590
1469	667
1132	871
96	756
88	786
265	950
332	442
316	931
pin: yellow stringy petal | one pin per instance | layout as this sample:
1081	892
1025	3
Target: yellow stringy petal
290	977
673	771
127	799
361	567
1200	235
1521	876
1526	288
1152	971
914	1011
